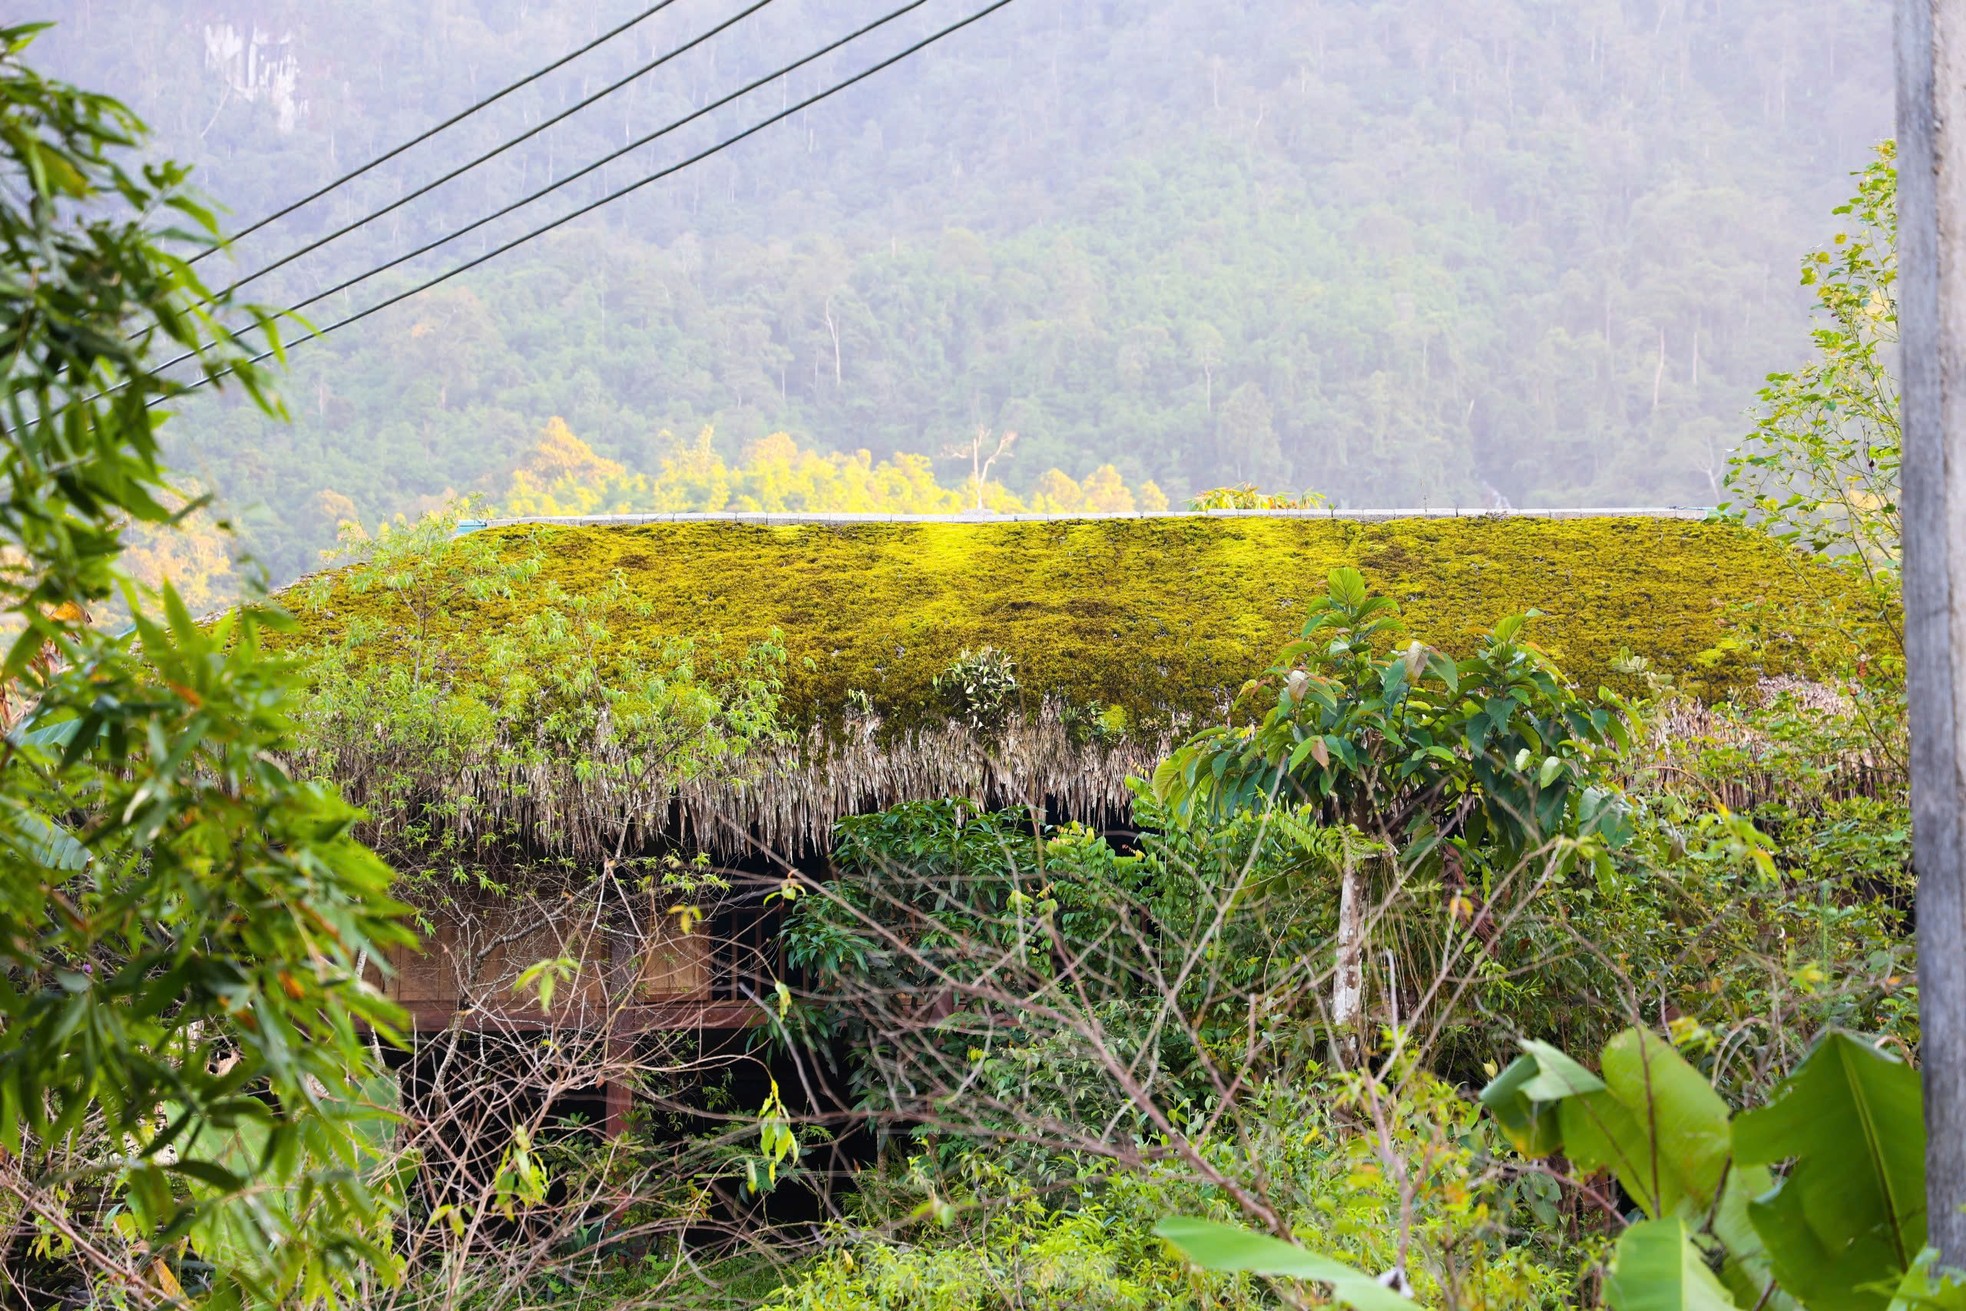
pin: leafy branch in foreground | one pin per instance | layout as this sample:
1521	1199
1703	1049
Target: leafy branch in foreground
1466	770
183	927
1844	1227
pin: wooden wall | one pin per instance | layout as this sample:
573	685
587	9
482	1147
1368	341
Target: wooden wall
616	965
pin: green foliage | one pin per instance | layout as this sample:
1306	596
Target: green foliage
1795	909
1486	778
1842	1228
1492	756
1030	1259
91	287
1654	1122
429	677
1750	934
935	896
238	1230
1512	243
1021	965
1821	467
979	687
1655	1269
965	1230
565	477
1247	497
180	921
1850	1213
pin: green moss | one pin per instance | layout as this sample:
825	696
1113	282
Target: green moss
1148	616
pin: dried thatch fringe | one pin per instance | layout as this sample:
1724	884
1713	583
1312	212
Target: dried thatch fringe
1687	727
788	799
794	804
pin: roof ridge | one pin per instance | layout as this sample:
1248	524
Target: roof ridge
850	516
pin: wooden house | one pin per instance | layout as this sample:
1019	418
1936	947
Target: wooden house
1121	634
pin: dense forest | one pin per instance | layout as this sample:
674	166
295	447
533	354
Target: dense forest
1398	253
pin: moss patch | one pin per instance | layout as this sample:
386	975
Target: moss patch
1166	615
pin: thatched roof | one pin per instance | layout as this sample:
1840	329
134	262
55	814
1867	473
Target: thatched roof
1150	621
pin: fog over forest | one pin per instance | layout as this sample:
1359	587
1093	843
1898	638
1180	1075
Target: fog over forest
1400	253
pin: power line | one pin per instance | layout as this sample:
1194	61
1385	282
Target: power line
610	198
496	151
425	135
603	162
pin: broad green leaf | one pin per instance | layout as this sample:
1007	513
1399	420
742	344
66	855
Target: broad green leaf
1684	1121
1653	1120
1524	1097
1657	1268
1601	1133
1215	1246
1347	586
1529	1124
40	841
57	734
1850	1215
1746	1271
1557	1075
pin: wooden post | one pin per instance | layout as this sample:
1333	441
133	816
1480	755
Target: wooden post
620	1093
620	1049
1931	39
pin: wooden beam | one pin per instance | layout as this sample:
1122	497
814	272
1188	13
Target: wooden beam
652	1017
1931	55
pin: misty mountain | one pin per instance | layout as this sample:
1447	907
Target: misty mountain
1399	252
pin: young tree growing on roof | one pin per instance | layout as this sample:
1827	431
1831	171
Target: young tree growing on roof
1820	469
1478	770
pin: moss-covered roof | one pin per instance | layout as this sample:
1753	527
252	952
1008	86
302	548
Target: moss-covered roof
1166	614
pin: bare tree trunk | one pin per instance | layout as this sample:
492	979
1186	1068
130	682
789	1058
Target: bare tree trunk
1932	318
839	369
1348	980
1659	374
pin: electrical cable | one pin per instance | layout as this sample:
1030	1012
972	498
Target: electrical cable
605	160
783	114
527	135
427	133
314	334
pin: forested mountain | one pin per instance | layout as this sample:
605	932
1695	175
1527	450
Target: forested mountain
1400	252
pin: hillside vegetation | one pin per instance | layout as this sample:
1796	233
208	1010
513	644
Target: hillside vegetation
1403	253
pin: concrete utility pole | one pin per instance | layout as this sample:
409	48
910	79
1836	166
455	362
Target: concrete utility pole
1932	334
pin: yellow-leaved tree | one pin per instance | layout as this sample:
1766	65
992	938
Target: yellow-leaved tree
192	554
565	476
